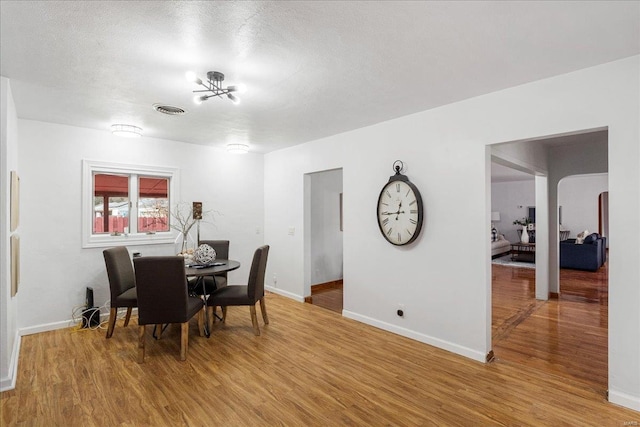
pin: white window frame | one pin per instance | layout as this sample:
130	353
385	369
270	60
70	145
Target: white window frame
90	240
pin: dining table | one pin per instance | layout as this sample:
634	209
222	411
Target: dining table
200	271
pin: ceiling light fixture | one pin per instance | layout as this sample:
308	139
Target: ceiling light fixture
213	87
127	131
238	148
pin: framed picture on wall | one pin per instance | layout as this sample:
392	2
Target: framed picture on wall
341	229
15	200
15	264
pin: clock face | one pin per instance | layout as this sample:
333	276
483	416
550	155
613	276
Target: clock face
400	212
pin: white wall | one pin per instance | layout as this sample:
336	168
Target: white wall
9	339
444	150
325	234
512	199
578	196
56	269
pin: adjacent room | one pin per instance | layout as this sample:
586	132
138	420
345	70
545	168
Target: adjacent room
319	213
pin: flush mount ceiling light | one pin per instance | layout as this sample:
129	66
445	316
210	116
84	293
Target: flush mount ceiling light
127	131
213	87
238	148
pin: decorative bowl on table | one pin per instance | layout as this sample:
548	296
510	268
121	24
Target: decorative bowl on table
204	254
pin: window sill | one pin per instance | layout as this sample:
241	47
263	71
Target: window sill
105	241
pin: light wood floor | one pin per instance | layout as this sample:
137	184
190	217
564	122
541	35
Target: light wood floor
310	367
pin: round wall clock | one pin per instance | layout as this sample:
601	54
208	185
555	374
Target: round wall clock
400	209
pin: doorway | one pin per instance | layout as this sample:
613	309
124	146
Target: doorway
323	239
544	334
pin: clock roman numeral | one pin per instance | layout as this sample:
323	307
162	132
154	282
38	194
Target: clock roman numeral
386	220
413	221
389	232
412	203
399	238
388	194
408	191
383	203
415	211
398	188
409	232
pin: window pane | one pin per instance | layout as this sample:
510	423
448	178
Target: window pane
153	204
111	191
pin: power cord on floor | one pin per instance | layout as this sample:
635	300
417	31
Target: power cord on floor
80	324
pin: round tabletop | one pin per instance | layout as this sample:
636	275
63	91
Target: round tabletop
217	266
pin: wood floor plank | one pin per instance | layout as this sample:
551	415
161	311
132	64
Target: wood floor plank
312	367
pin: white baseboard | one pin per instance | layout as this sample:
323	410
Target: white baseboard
9	383
284	293
46	327
436	342
623	399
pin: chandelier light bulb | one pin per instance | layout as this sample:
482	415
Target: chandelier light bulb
241	88
233	98
198	99
191	77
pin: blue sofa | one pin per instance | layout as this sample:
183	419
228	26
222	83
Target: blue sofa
589	256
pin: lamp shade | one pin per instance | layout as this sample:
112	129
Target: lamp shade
495	216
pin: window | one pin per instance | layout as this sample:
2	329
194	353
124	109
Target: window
126	204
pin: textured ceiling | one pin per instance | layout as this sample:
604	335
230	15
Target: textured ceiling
313	69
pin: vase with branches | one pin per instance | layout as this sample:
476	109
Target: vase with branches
183	220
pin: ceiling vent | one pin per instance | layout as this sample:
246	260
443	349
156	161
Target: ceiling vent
170	110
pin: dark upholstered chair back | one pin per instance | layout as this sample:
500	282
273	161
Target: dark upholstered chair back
248	294
162	290
255	285
119	271
220	246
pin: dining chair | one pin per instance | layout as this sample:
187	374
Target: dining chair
248	294
122	284
208	284
163	298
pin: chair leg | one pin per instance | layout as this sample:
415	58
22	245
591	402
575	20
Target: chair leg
141	334
263	309
127	317
112	321
201	322
211	317
184	340
254	320
224	314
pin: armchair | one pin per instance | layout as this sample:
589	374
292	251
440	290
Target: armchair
589	255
